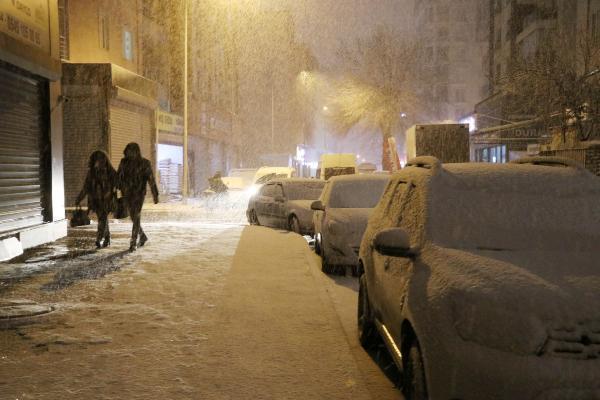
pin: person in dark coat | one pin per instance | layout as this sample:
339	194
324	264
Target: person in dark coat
133	175
100	189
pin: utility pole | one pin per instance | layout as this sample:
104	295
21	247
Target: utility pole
272	115
185	100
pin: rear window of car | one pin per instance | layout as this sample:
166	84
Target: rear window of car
304	190
362	193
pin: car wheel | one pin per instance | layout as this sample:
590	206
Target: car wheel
318	244
414	385
253	218
294	224
367	333
325	266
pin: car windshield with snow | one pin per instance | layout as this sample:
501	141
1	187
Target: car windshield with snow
285	204
476	275
341	216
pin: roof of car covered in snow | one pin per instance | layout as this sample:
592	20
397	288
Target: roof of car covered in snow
359	177
291	181
527	177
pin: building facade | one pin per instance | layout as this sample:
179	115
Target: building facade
452	39
31	137
519	30
109	102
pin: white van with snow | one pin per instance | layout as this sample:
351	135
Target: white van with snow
335	164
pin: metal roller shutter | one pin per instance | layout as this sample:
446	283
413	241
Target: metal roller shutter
148	134
125	127
129	123
21	129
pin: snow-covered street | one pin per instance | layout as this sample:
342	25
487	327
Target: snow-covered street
204	310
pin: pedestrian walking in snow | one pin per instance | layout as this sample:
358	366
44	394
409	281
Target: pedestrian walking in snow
133	175
100	189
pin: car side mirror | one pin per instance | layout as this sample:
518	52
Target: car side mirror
279	199
393	242
317	205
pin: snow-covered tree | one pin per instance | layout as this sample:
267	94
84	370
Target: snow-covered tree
378	87
557	82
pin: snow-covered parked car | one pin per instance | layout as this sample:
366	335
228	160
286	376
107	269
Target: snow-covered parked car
483	280
285	204
341	216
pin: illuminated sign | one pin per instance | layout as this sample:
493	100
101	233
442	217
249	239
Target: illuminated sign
169	122
26	21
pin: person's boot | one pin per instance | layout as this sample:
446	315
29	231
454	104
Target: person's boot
98	244
106	241
132	247
143	240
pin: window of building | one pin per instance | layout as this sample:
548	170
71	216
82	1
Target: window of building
595	22
442	93
498	43
127	45
493	154
429	14
442	33
442	13
428	53
103	32
442	54
459	95
498	6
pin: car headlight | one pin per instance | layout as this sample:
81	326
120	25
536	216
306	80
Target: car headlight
253	189
499	328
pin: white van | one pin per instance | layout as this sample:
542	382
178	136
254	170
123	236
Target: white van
335	164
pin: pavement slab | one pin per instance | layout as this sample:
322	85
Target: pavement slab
277	334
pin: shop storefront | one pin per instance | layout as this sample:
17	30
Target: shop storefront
31	185
106	108
170	152
506	143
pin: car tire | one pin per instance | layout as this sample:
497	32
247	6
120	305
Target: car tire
253	218
325	266
294	224
317	244
414	385
367	332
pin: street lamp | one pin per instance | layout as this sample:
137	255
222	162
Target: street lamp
185	100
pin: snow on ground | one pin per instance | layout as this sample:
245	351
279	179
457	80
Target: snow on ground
204	310
134	334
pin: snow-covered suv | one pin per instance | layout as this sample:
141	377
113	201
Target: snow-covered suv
483	280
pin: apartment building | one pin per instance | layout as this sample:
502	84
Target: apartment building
518	30
452	36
